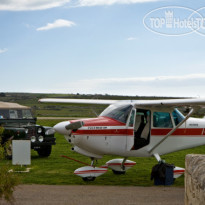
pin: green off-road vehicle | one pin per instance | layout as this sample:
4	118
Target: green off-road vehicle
19	123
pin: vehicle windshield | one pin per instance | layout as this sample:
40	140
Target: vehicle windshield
16	114
117	112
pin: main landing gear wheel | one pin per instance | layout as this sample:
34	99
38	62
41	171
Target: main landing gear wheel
118	172
88	179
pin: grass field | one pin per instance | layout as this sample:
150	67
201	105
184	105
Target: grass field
58	170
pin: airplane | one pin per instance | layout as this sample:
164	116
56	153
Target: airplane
132	128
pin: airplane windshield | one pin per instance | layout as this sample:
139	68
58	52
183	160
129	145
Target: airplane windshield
119	113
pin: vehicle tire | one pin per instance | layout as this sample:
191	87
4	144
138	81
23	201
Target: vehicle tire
88	179
118	172
44	151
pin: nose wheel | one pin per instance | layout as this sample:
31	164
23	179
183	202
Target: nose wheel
91	178
89	173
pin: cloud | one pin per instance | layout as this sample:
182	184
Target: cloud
131	39
149	79
3	50
111	2
24	5
59	23
179	86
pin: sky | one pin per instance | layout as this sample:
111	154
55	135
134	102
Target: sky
120	47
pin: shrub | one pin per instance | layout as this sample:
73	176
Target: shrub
8	180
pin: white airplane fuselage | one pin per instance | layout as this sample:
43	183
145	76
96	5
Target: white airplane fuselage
136	136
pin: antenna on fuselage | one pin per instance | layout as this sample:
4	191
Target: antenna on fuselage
94	112
94	98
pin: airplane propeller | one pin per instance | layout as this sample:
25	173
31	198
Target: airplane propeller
66	127
74	125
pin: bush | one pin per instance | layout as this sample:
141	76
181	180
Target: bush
8	180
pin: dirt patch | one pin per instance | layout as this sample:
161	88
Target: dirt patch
96	195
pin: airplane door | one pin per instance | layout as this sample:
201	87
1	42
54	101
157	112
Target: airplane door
140	123
130	134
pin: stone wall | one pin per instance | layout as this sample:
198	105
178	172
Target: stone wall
195	180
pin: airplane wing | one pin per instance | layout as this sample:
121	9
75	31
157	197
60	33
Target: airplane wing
79	101
170	103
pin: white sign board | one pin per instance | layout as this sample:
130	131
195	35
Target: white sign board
21	152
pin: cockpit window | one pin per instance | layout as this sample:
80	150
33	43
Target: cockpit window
178	116
117	112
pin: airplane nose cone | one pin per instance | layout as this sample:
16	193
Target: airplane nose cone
60	128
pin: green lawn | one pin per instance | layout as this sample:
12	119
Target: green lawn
58	170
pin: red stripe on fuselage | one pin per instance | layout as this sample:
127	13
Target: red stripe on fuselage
102	125
104	132
130	132
180	131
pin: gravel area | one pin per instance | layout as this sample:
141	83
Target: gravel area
96	195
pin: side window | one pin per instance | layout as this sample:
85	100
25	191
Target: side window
162	120
13	114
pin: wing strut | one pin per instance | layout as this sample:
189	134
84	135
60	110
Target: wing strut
171	132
